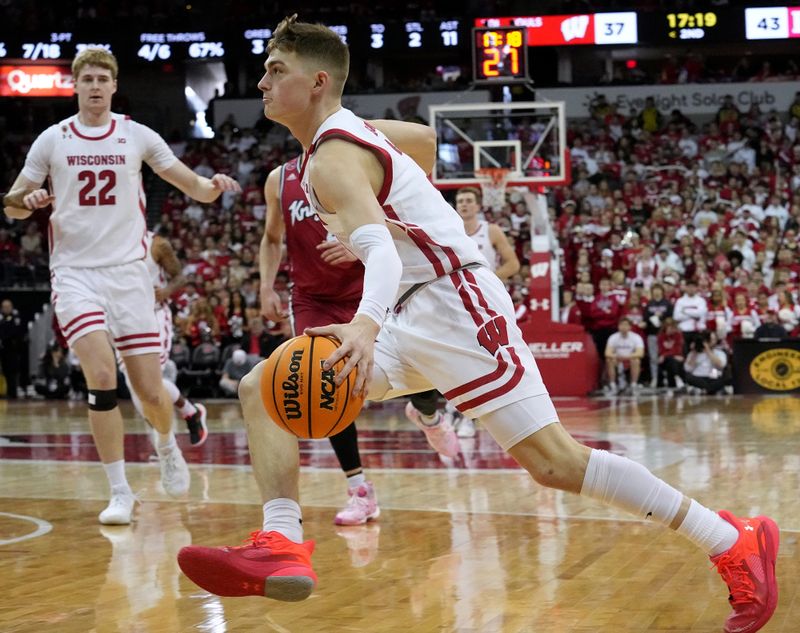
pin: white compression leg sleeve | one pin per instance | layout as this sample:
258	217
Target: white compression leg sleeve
622	483
172	390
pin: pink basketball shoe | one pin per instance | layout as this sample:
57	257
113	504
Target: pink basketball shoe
361	507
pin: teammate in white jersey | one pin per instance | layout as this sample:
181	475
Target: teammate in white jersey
100	286
489	237
167	278
454	331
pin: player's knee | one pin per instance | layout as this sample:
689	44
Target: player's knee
560	465
103	378
250	385
152	395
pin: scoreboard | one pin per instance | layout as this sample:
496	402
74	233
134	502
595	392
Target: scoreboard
730	26
450	36
395	37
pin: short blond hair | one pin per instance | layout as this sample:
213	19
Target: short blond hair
472	190
95	57
316	42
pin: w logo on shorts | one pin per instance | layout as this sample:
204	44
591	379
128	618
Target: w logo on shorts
493	334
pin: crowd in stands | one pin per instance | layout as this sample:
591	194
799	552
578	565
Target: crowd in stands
684	230
690	235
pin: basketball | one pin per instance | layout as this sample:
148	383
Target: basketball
301	397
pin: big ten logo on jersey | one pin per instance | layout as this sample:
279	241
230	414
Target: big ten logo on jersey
378	134
300	210
493	334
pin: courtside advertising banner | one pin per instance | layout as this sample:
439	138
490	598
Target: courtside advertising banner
35	81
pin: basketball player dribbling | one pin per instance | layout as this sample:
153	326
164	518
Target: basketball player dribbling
101	290
167	278
325	289
378	201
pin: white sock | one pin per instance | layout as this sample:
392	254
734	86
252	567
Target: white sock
172	390
354	481
706	529
622	483
115	471
166	441
188	409
284	516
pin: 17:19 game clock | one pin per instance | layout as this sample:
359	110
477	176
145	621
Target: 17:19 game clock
499	55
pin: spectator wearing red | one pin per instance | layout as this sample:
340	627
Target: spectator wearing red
634	312
603	316
570	312
670	353
619	286
604	267
719	314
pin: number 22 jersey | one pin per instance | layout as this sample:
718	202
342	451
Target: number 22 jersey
94	173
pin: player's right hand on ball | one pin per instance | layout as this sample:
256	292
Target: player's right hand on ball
272	305
357	347
37	199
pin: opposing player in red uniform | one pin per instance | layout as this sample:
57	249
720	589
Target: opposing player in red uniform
101	290
432	315
325	289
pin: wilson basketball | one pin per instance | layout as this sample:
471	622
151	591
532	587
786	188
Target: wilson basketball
300	396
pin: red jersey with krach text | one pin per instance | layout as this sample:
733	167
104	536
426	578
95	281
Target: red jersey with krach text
94	173
311	275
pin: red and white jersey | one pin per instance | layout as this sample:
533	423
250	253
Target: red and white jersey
484	242
95	176
409	201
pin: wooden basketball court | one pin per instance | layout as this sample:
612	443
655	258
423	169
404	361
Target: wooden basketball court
469	546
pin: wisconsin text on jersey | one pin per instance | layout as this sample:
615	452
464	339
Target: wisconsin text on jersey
101	159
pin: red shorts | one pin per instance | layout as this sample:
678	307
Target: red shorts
306	311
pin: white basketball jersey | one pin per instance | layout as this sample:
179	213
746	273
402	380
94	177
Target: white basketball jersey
95	176
428	234
157	274
484	242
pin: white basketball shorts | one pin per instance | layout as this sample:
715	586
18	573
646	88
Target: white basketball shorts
459	335
165	331
117	299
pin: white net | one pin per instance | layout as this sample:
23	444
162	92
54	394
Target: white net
493	181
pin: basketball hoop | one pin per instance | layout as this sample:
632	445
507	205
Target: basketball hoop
493	181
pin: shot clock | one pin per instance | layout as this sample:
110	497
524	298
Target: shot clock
499	55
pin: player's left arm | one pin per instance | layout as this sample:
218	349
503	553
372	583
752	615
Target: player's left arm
414	139
509	262
195	186
164	255
346	178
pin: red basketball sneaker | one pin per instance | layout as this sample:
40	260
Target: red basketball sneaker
269	565
748	568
